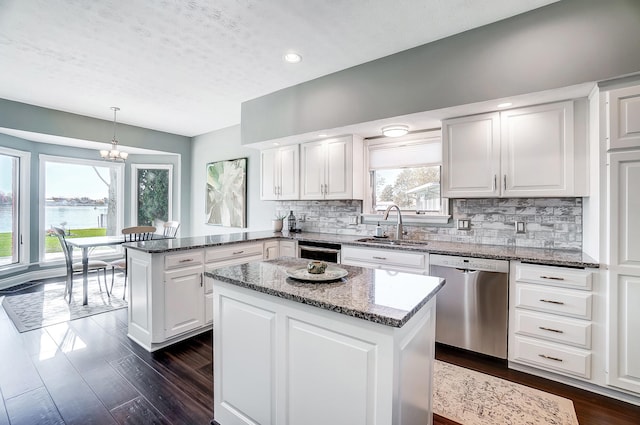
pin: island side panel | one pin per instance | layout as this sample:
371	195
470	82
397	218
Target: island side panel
321	365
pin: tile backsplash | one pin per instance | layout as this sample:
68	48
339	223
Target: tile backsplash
549	222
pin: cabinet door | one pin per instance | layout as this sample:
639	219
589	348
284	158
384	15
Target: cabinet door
537	150
624	117
269	174
312	179
288	249
183	300
625	209
471	156
271	250
289	172
338	178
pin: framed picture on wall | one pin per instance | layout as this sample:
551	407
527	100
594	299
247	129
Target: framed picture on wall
226	202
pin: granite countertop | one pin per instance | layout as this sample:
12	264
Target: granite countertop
533	255
379	296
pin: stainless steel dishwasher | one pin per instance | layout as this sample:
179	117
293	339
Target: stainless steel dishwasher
472	307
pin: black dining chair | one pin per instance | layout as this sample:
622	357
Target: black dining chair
73	268
130	234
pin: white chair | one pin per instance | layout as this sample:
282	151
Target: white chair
170	229
130	234
72	267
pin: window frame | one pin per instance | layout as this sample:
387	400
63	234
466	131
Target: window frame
24	192
134	188
43	159
370	216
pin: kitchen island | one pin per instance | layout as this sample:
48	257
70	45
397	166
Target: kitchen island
358	350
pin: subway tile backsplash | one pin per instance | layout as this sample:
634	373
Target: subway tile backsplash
549	222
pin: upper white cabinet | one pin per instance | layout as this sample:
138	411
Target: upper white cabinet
332	169
525	152
280	173
624	117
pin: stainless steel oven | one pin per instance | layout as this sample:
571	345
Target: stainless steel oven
322	251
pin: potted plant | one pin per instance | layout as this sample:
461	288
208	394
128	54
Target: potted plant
277	222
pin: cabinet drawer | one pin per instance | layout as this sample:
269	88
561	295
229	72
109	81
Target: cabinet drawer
553	357
385	258
233	252
553	300
187	258
553	328
554	276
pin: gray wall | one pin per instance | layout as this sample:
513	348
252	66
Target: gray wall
566	43
221	145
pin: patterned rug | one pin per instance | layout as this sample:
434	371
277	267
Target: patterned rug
34	310
474	398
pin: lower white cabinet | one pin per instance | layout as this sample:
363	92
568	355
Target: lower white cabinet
271	250
281	362
288	249
183	306
387	259
556	320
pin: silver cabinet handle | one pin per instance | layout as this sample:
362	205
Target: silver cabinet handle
552	277
505	182
379	258
326	189
551	330
201	278
495	179
555	359
186	260
238	252
552	302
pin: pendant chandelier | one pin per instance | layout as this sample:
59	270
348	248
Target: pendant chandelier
114	154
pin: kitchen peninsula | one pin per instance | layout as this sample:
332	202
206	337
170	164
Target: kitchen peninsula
356	350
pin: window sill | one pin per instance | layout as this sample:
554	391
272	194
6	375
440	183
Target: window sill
408	219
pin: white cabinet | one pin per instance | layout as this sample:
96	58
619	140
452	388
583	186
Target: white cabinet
624	267
623	118
332	169
271	250
503	154
279	173
289	249
552	321
183	300
387	259
279	362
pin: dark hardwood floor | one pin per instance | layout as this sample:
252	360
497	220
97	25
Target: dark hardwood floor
87	371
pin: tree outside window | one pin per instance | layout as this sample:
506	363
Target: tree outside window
153	194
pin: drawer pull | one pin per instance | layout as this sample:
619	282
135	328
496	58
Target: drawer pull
551	330
552	302
552	277
555	359
238	252
186	260
379	258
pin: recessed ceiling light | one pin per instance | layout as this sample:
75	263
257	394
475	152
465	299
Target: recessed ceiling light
292	57
504	105
395	130
276	144
322	135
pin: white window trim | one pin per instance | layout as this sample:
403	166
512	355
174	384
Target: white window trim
368	217
43	158
24	193
134	187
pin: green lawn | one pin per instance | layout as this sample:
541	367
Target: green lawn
50	242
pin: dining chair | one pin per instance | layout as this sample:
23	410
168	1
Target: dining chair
130	234
170	229
72	267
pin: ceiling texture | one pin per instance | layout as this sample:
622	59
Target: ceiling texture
185	67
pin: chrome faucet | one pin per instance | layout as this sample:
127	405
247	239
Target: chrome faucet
399	225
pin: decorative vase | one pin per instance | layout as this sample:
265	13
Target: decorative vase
277	225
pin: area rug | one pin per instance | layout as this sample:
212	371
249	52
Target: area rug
34	310
474	398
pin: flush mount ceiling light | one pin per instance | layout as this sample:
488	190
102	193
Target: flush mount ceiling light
395	130
504	105
292	57
114	154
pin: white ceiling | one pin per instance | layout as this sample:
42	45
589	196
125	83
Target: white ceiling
184	67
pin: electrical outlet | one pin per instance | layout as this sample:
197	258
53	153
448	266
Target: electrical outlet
520	227
464	224
353	219
302	217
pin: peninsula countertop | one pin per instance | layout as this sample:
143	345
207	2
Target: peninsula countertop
379	296
534	255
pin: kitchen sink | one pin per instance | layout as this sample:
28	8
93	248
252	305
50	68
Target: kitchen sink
393	242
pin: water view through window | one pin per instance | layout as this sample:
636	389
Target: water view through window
9	252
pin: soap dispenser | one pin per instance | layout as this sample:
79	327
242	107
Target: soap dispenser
379	232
